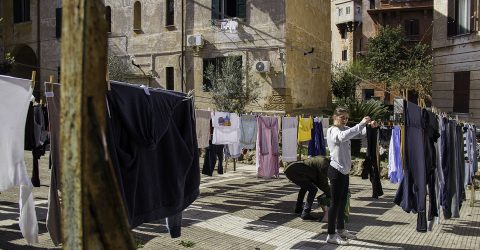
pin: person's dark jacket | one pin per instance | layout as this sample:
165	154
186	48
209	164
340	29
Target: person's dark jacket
312	169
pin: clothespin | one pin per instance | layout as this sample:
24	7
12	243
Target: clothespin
34	74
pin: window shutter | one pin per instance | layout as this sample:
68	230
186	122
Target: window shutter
242	8
473	7
415	27
215	9
58	22
451	20
461	92
408	31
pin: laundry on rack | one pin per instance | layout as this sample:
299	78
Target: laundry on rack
248	131
15	98
305	126
202	123
154	152
289	139
267	161
371	165
395	171
317	145
53	221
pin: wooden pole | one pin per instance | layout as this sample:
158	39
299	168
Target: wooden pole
93	216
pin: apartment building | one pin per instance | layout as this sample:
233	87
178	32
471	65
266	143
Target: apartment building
285	46
456	58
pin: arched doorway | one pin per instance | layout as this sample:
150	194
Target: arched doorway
25	63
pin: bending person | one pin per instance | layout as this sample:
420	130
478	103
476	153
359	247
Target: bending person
309	175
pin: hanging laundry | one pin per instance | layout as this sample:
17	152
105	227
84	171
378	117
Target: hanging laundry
267	161
226	128
248	131
52	95
15	98
317	145
289	139
154	152
212	153
414	172
202	123
40	137
371	164
430	135
395	172
232	151
305	126
325	124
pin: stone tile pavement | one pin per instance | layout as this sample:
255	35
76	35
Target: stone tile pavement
239	211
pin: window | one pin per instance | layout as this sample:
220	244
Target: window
108	17
372	4
217	64
343	32
461	91
137	16
222	9
58	22
169	78
21	11
347	10
368	94
344	55
170	15
340	11
462	17
411	27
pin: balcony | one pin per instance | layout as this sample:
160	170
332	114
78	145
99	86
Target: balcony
401	5
348	13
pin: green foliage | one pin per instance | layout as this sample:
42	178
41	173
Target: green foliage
344	81
187	243
359	109
230	91
386	52
417	72
398	64
7	63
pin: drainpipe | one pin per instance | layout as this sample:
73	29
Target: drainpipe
38	51
182	54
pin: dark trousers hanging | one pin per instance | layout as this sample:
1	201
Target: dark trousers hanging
370	165
411	194
431	135
211	154
339	189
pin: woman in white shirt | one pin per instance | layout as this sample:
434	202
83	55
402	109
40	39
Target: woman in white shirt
338	140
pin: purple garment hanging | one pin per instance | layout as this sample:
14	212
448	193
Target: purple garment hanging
316	146
267	147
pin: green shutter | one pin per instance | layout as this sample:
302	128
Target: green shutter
241	8
215	9
58	22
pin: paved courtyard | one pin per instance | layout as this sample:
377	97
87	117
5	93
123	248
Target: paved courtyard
239	211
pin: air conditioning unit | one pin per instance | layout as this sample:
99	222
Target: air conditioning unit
262	66
194	40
